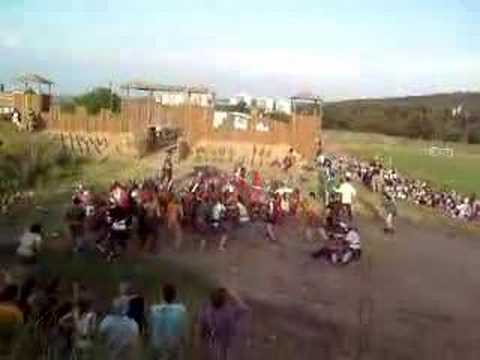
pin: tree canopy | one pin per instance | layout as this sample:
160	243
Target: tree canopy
426	117
99	98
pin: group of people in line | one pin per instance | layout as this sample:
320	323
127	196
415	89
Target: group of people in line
378	177
68	316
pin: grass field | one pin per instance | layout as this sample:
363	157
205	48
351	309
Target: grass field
460	172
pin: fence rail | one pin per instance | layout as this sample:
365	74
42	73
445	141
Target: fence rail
196	124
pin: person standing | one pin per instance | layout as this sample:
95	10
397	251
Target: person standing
312	215
134	303
75	219
174	220
219	325
168	324
30	245
120	333
390	210
347	193
167	170
218	223
85	329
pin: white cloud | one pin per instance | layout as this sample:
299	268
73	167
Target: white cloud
284	72
9	40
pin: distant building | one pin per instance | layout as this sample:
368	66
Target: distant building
200	96
283	106
171	95
231	120
240	120
168	95
219	119
266	104
242	97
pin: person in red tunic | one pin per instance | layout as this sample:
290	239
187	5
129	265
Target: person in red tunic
256	179
273	216
294	202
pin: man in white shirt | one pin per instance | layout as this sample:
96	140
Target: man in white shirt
348	193
218	212
30	244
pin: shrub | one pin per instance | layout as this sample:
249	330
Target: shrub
28	160
99	98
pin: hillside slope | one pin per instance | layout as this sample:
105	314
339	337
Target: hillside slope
428	117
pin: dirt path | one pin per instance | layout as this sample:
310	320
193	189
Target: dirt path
413	296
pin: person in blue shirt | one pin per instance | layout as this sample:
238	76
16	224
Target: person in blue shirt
167	324
120	333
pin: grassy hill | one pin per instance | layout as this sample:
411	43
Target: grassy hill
427	117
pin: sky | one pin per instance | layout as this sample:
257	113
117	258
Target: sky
337	49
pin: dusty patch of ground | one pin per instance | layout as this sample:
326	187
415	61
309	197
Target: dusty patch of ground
412	296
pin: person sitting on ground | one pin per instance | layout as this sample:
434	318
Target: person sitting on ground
30	245
168	324
333	250
353	252
220	323
120	333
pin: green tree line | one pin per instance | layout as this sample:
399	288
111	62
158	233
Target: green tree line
93	101
425	117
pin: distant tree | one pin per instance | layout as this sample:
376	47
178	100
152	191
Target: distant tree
243	107
99	98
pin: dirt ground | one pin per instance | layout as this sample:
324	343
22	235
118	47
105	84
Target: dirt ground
412	296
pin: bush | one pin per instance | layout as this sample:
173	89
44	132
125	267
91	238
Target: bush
28	160
99	98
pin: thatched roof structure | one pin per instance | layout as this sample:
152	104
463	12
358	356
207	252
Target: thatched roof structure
152	87
35	79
